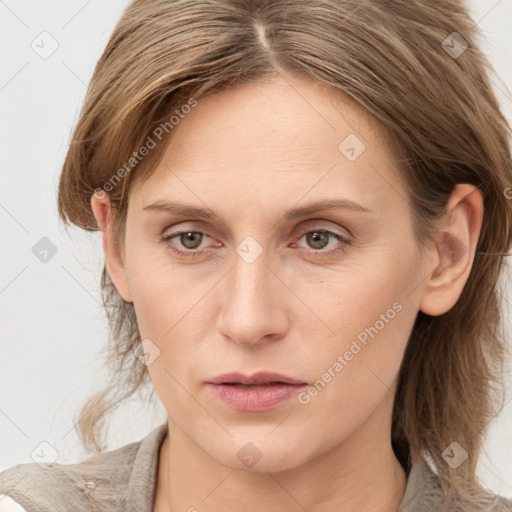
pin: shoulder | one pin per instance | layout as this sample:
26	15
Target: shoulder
502	504
100	482
7	504
424	493
71	486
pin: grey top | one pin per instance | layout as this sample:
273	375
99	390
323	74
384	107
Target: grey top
125	479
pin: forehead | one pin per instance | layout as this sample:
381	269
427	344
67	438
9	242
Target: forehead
261	116
279	137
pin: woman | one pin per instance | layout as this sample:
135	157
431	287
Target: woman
304	212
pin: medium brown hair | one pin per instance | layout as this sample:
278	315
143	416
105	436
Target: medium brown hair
396	59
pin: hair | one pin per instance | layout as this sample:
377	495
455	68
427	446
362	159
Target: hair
392	58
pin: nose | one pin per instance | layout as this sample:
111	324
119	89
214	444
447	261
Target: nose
254	303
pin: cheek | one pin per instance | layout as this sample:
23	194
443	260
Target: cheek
172	313
354	372
353	296
364	313
162	292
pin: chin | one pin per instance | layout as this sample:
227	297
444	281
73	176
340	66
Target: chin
259	452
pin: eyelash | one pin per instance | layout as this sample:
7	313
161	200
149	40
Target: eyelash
328	253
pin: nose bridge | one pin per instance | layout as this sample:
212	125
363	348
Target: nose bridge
250	311
251	275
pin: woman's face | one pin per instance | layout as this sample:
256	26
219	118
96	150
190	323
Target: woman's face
270	283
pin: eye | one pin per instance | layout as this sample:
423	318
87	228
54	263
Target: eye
188	239
319	239
188	242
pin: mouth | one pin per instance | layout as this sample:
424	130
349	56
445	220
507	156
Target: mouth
262	391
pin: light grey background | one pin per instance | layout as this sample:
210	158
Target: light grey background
53	325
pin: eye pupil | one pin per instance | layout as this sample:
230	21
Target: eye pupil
190	236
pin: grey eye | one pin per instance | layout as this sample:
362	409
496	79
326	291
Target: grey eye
191	239
317	239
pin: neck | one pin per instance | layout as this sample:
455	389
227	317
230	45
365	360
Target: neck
362	473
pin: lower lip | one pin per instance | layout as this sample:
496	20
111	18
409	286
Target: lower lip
257	398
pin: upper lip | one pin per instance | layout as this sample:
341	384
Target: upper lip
256	378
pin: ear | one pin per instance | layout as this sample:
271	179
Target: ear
101	207
455	244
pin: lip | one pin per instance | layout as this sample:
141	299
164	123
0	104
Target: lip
256	378
270	390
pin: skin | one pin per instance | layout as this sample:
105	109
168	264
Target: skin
251	153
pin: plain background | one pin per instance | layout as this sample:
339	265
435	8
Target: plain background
53	325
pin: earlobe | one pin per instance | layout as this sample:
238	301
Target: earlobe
455	244
102	211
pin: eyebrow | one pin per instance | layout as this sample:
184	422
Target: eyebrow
209	214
